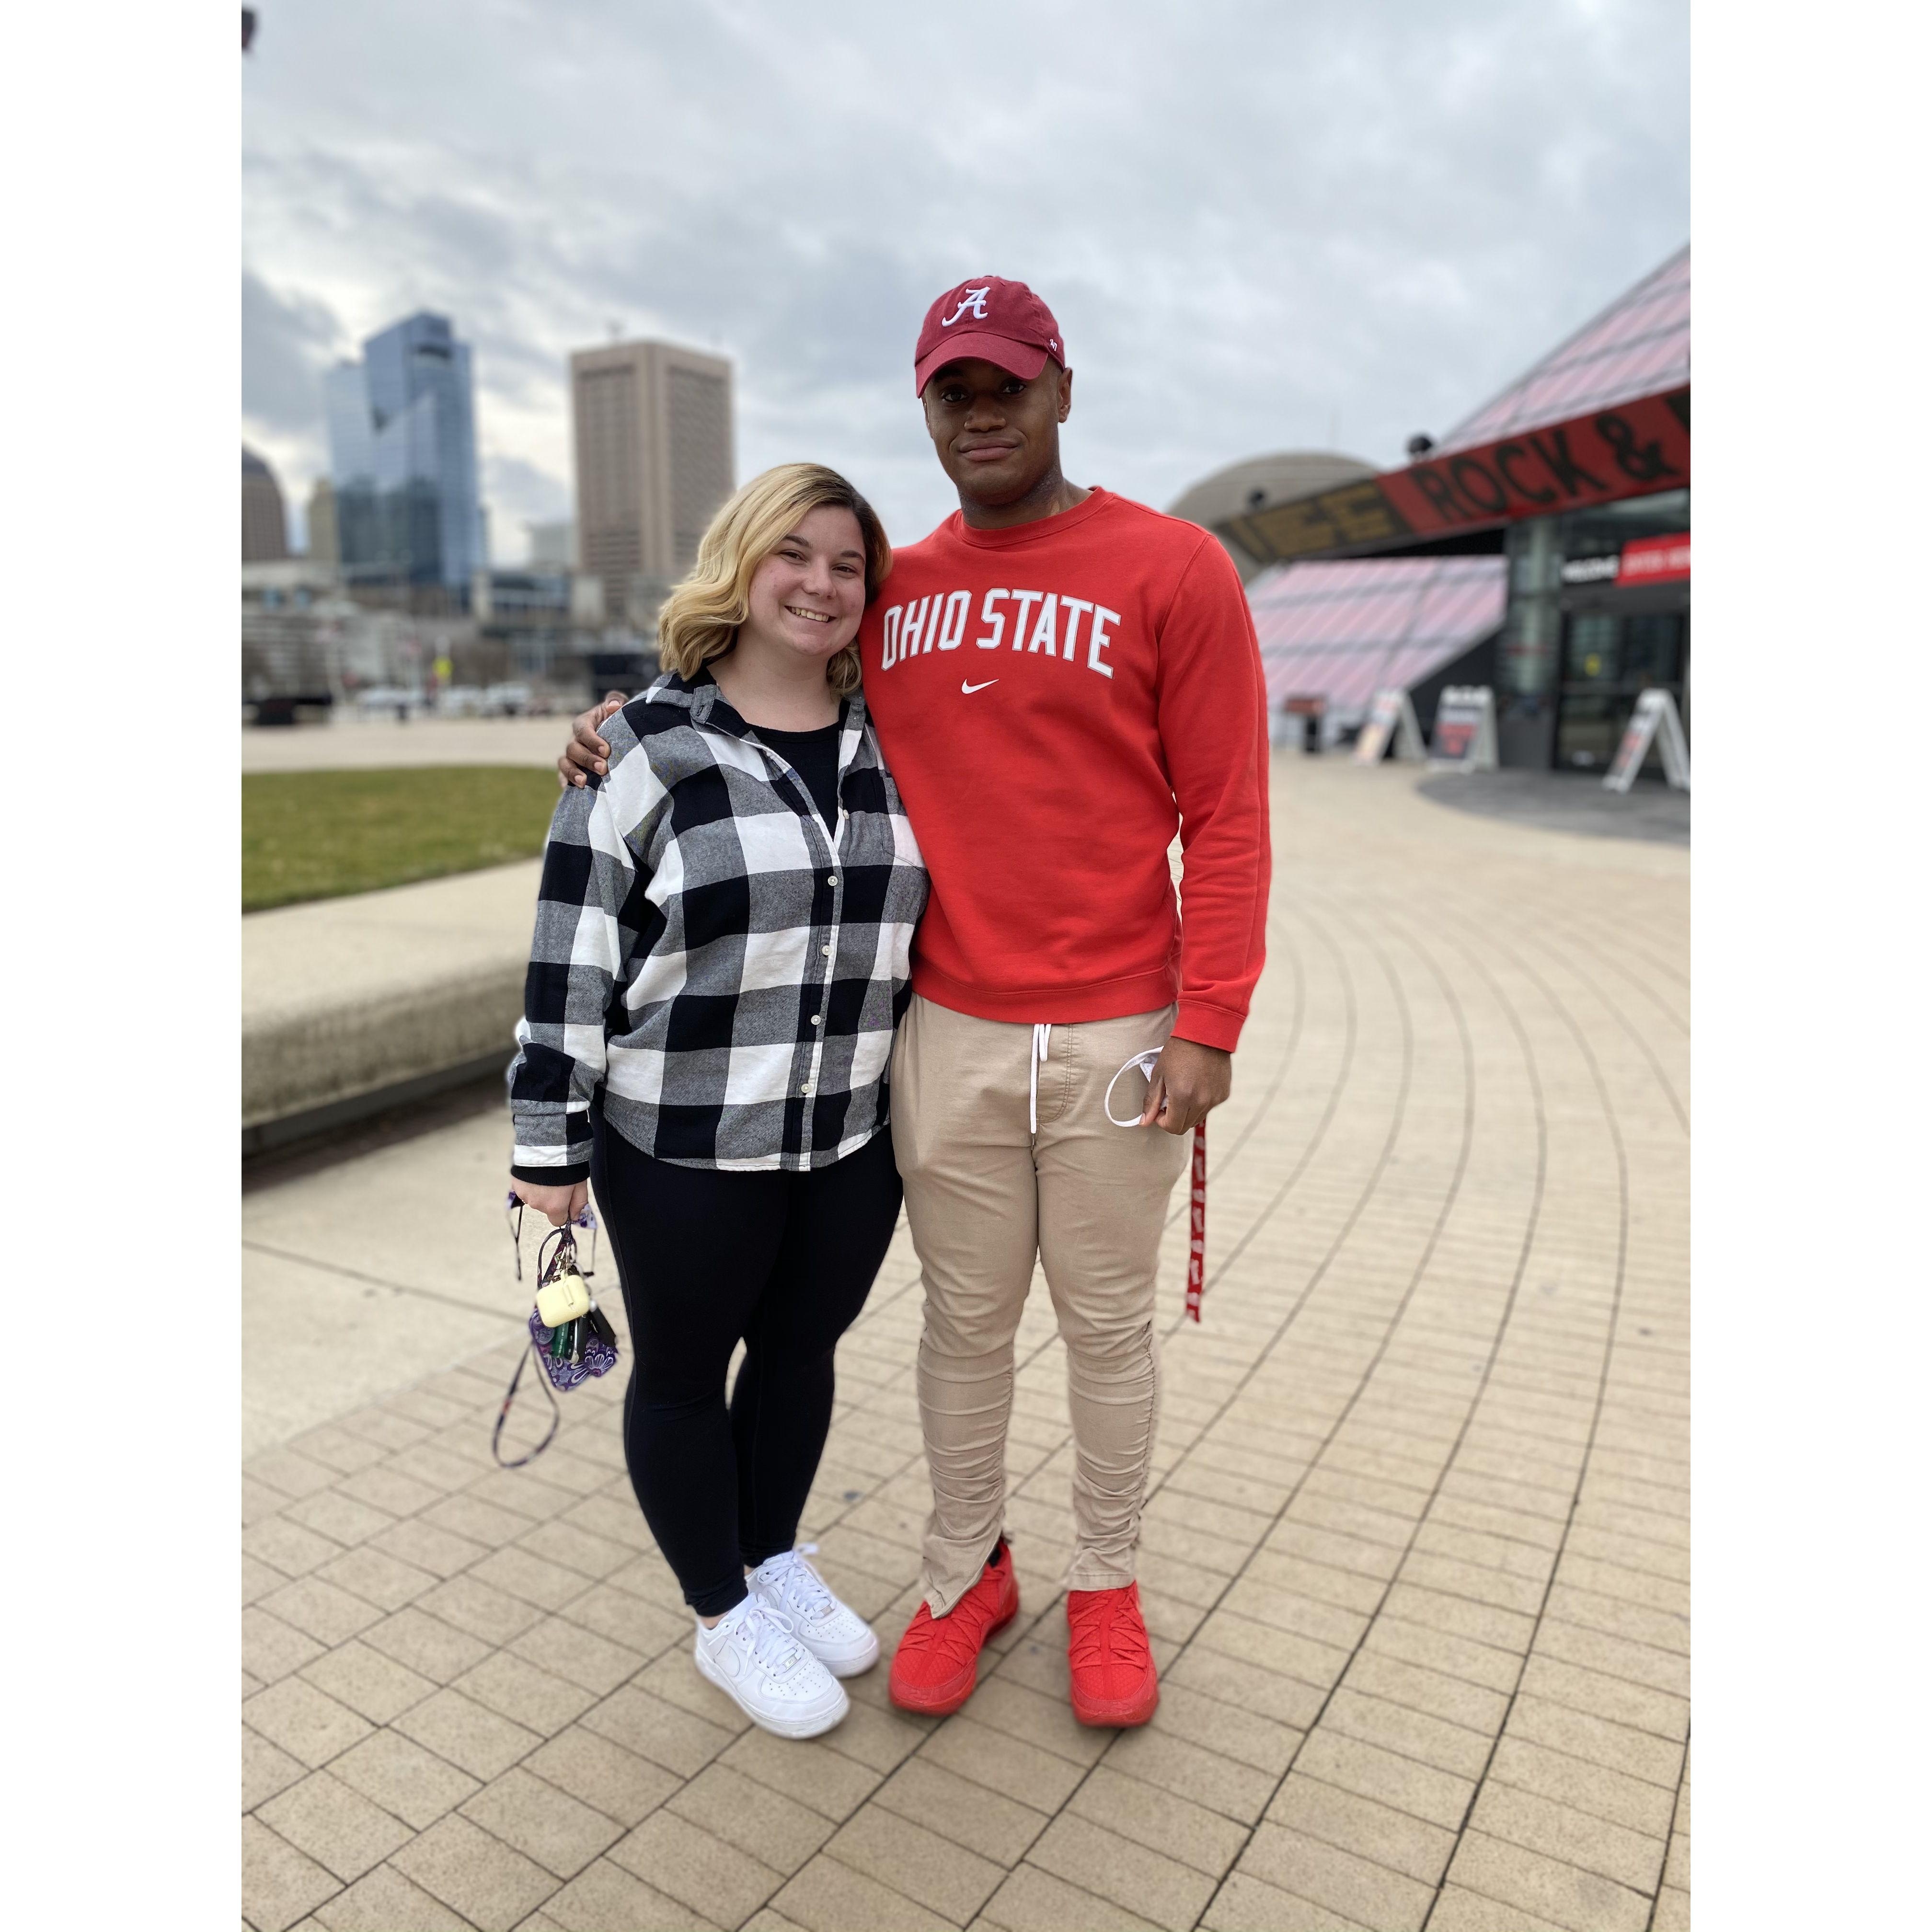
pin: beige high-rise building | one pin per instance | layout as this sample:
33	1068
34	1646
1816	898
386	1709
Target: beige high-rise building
653	432
325	545
553	546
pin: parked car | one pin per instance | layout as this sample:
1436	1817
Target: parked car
510	699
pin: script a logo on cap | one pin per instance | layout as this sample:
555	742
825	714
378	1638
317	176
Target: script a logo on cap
974	299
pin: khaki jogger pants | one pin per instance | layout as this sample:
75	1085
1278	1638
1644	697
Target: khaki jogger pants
984	1192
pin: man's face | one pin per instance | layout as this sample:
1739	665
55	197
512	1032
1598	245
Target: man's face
996	434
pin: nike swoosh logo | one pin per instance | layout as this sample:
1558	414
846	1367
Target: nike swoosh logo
970	688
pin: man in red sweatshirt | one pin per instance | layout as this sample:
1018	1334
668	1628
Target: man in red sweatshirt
1061	678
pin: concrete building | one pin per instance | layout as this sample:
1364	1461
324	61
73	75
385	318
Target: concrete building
553	546
265	522
309	648
324	547
294	623
548	622
653	430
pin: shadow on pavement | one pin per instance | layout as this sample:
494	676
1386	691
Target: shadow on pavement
1650	810
376	1131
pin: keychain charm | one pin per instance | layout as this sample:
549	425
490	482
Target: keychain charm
570	1335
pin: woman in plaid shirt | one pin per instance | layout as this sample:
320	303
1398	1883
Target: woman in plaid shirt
723	935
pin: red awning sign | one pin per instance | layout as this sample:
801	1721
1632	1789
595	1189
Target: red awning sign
1636	448
1629	451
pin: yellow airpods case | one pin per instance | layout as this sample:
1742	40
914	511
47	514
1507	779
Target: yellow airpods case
563	1300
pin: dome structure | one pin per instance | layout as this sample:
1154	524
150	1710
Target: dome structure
1260	482
265	524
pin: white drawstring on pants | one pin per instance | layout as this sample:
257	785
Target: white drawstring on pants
1043	1036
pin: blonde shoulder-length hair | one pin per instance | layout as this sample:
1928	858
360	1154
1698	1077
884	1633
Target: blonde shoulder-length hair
700	619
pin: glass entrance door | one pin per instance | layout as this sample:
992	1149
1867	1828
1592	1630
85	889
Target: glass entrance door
1608	659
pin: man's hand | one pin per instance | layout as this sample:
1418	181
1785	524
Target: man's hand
556	1205
1188	1082
586	752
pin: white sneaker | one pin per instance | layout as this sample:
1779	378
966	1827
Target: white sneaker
753	1655
833	1632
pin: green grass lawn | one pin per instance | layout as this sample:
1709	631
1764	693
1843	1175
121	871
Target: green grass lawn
318	835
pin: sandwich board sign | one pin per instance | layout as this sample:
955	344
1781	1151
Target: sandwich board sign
1655	719
1391	713
1465	737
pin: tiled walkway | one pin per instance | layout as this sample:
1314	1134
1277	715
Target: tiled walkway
1415	1558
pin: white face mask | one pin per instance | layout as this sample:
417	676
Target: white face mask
1043	1036
1144	1063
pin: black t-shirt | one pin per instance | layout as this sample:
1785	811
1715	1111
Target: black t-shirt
813	755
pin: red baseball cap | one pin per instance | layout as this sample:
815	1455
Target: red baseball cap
999	322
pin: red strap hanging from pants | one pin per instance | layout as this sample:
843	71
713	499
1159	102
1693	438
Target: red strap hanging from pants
1197	1223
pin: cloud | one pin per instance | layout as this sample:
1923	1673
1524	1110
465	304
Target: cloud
287	340
1253	220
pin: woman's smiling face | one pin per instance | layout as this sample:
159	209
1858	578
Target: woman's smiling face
809	595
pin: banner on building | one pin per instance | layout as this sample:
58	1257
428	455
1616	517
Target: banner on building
1635	448
1644	560
1391	714
1654	721
1465	737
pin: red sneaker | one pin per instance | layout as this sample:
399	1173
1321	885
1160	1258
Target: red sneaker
1107	1653
936	1667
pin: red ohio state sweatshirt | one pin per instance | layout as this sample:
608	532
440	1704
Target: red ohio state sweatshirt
1054	701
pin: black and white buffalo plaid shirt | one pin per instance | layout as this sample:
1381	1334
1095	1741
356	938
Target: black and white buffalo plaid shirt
706	951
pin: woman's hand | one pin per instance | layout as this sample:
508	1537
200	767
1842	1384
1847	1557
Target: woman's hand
586	752
556	1204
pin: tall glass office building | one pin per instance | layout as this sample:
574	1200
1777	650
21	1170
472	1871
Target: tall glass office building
402	441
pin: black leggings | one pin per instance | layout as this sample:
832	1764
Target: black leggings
783	1261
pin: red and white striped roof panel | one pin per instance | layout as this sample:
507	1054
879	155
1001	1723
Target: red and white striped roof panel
1343	631
1637	346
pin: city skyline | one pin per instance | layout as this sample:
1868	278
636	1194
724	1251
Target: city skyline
1260	232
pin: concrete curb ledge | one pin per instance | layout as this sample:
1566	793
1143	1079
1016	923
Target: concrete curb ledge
299	1063
352	1005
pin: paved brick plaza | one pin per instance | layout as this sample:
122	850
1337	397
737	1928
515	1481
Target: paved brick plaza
1416	1557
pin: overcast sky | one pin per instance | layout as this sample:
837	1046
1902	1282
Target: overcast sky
1262	226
